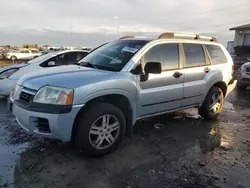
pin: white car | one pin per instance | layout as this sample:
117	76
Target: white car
11	74
24	54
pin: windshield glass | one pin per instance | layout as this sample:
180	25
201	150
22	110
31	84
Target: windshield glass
42	58
114	55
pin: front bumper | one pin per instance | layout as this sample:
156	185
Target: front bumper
244	81
60	125
6	86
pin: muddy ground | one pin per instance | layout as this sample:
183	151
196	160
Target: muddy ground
4	62
175	150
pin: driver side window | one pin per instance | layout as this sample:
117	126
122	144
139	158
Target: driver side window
166	54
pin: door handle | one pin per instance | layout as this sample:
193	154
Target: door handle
206	70
177	74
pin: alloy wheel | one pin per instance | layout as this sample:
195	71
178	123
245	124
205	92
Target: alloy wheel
104	131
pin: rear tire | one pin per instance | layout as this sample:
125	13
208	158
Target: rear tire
95	126
213	104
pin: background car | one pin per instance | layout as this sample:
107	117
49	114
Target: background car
243	76
10	75
24	54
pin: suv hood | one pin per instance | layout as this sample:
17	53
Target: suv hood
71	76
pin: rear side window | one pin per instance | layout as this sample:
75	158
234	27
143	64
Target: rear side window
166	54
194	55
216	54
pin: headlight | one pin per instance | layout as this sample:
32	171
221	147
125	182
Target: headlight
7	73
54	95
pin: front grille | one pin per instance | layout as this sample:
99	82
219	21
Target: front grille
43	125
25	97
248	69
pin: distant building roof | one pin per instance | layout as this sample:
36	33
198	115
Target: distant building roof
242	27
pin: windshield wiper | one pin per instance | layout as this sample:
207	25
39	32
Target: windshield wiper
89	65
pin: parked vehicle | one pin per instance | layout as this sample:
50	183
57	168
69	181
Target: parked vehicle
243	76
242	55
24	54
10	75
96	103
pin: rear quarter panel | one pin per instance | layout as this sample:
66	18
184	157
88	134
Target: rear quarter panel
219	73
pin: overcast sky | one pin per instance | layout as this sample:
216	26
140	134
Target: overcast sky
96	21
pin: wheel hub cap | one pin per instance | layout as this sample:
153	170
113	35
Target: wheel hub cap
104	131
216	103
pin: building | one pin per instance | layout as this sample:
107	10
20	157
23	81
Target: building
241	45
242	35
230	47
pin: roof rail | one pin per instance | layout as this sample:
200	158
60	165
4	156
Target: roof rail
126	37
186	36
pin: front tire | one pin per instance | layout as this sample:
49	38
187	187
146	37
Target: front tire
100	129
13	58
213	104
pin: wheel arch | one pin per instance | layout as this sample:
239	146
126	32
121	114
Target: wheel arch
218	83
121	101
223	86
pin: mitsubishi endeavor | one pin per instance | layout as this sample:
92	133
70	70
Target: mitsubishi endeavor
94	104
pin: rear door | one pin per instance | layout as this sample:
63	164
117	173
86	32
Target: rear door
24	54
196	67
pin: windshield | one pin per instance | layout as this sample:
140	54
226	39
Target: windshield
42	58
114	55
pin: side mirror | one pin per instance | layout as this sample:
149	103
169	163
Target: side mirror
51	63
153	68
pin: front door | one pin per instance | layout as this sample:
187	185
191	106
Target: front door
161	92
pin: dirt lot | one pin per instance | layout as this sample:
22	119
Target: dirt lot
175	150
4	63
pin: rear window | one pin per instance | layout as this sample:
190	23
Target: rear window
216	54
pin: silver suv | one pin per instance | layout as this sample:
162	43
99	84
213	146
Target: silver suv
94	104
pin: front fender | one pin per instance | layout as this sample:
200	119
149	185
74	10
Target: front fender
100	93
131	98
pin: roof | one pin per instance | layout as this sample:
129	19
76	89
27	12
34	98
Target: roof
242	27
171	36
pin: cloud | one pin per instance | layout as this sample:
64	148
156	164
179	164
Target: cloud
104	17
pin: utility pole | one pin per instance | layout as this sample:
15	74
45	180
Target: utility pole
118	31
70	32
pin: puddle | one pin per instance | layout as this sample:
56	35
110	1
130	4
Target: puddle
8	157
9	153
